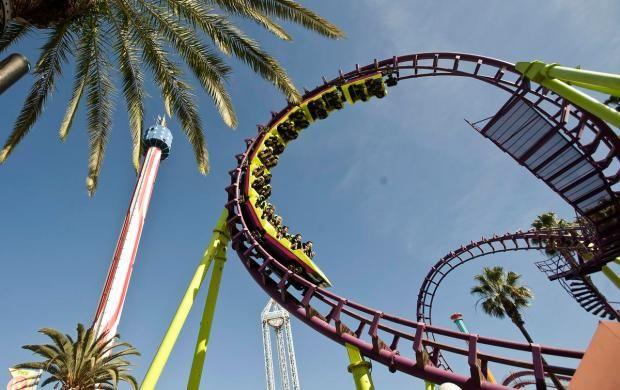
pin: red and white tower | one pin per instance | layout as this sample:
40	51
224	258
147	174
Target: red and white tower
157	142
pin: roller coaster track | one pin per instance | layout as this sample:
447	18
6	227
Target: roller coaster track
566	147
579	287
519	380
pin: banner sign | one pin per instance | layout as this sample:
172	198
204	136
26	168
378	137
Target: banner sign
24	379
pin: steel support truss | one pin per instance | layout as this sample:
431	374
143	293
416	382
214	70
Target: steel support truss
276	318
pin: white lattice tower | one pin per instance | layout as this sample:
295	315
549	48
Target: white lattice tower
276	318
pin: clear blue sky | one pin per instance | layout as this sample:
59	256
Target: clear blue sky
338	184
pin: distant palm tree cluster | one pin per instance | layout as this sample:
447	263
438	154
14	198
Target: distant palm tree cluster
137	35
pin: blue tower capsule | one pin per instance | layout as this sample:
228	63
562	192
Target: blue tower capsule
158	136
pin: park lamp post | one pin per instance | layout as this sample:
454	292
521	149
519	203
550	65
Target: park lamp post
12	68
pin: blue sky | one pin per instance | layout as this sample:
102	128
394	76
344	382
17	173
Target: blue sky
384	189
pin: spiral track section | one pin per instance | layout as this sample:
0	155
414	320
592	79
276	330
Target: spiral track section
571	151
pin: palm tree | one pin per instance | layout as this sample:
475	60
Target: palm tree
500	295
147	34
86	363
549	221
613	101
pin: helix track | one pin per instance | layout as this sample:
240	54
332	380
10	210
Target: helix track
579	287
571	151
521	379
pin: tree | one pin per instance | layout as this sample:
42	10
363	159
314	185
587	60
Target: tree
147	34
613	101
549	221
86	363
500	295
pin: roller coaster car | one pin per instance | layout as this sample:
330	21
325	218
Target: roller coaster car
299	120
317	109
292	261
287	131
333	100
274	144
391	81
358	92
375	87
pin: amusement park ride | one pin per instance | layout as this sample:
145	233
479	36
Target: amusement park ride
558	133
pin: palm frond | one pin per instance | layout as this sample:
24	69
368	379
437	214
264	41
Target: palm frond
133	83
13	32
208	68
154	32
84	59
231	39
54	54
249	11
99	104
294	12
167	76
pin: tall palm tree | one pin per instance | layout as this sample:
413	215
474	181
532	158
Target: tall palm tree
500	295
86	363
147	34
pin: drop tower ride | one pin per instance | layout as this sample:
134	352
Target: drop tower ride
157	142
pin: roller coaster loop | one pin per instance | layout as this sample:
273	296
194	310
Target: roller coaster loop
568	148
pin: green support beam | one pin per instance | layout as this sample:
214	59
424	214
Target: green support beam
359	368
219	239
611	275
557	79
202	343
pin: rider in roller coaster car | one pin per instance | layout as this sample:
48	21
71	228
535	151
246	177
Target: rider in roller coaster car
265	190
275	145
375	87
283	232
307	246
272	161
358	92
265	154
296	241
299	120
317	109
287	131
276	221
333	100
261	181
268	212
259	171
261	202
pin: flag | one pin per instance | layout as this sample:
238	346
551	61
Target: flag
24	379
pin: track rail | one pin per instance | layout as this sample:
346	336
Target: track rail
521	379
586	139
580	287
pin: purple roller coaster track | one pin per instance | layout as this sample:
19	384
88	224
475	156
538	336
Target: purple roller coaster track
574	153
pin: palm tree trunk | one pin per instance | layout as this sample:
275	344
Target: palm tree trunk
521	325
46	13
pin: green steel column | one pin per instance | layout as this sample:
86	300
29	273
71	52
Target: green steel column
611	275
611	81
429	385
207	320
360	369
540	73
218	239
